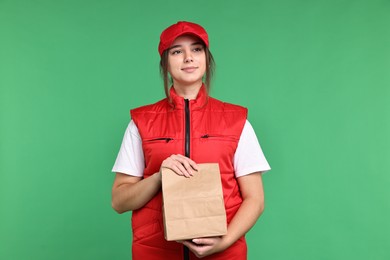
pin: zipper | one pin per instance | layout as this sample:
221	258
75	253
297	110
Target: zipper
166	139
186	251
219	137
187	128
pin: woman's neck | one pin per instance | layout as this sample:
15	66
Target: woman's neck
187	91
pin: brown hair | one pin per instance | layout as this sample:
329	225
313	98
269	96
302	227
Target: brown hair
210	68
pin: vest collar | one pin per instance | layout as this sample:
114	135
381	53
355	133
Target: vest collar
198	102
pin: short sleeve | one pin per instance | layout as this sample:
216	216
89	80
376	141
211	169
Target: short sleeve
249	157
130	159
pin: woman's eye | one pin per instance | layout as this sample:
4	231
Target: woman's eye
175	52
198	49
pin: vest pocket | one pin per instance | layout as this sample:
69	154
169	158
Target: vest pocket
219	137
159	140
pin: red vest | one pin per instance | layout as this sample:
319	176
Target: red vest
214	129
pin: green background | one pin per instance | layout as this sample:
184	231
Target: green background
314	75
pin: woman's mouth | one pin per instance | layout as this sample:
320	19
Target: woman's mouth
189	69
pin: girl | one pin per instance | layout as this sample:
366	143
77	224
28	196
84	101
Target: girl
186	128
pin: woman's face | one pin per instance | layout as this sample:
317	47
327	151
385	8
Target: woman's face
187	61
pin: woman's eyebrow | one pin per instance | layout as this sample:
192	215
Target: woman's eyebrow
178	45
197	43
174	46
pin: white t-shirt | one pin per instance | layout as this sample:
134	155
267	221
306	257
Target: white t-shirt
249	157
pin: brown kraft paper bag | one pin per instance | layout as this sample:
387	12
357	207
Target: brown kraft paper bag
193	207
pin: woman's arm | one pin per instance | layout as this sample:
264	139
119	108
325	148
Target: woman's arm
131	193
251	187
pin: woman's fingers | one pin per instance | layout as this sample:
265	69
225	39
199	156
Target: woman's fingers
180	164
180	170
191	164
187	162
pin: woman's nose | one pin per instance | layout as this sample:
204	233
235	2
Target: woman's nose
188	57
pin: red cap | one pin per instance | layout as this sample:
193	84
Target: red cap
169	35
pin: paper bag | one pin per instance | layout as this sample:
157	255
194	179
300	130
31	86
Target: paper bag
193	207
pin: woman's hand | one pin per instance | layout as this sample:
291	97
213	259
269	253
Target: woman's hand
251	187
180	164
202	247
